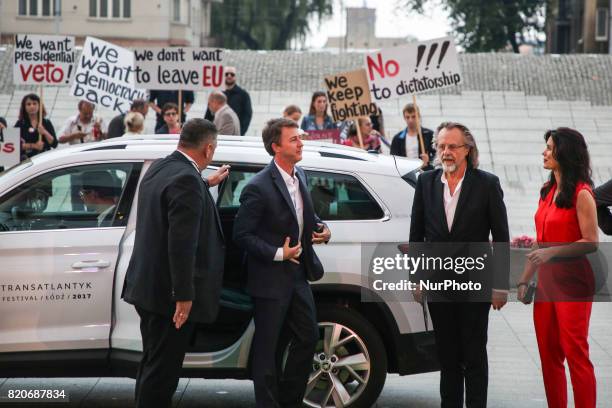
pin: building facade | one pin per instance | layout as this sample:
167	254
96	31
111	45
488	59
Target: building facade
124	22
579	26
360	32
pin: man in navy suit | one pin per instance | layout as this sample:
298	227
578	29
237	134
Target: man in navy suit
276	225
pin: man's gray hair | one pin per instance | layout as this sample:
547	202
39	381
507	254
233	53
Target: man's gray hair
472	158
197	131
218	96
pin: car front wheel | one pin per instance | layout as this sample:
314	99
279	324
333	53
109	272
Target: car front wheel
349	366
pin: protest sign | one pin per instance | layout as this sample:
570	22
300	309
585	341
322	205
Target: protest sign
43	59
172	68
349	96
325	135
413	68
9	148
105	76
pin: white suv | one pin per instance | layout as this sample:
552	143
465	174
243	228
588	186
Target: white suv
63	266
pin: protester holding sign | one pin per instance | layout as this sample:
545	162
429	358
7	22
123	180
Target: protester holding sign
158	99
171	125
406	143
36	136
371	138
318	118
83	127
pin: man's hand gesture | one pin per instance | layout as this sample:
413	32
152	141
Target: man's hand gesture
292	253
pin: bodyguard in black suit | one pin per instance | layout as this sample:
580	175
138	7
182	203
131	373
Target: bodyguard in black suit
276	225
175	274
460	204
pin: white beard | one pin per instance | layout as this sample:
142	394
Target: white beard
449	168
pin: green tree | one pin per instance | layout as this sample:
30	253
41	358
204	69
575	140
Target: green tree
490	25
265	24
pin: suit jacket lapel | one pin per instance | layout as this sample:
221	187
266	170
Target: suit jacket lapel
282	187
215	211
306	199
464	194
439	201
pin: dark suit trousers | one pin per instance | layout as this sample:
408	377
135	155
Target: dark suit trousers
461	340
163	352
295	315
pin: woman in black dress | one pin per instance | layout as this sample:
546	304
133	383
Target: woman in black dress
35	137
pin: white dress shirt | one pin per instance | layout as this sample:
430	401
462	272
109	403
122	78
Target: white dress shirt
293	187
450	206
451	200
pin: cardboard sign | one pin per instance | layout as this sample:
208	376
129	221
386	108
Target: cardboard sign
9	147
43	59
348	95
172	68
325	135
413	68
105	76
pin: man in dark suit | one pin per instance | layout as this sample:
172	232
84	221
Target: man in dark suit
603	197
276	225
175	274
406	143
458	207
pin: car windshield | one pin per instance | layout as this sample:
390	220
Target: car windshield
16	168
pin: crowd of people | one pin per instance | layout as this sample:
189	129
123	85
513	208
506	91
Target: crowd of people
230	109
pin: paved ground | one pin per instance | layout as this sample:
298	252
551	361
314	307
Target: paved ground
515	377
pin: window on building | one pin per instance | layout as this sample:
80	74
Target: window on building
115	9
176	11
601	24
39	8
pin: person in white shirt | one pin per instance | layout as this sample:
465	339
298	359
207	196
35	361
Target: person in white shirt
83	127
457	210
277	226
406	143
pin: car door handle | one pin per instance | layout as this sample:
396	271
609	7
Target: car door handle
91	264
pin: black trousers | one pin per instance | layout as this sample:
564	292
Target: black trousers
295	314
461	340
163	352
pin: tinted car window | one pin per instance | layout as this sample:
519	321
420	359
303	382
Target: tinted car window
335	196
76	197
341	197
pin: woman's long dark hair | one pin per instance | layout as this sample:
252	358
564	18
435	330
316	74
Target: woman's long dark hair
312	111
570	151
23	114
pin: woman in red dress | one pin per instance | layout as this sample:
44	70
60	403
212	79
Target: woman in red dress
566	225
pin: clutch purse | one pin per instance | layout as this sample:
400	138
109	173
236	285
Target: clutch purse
530	293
